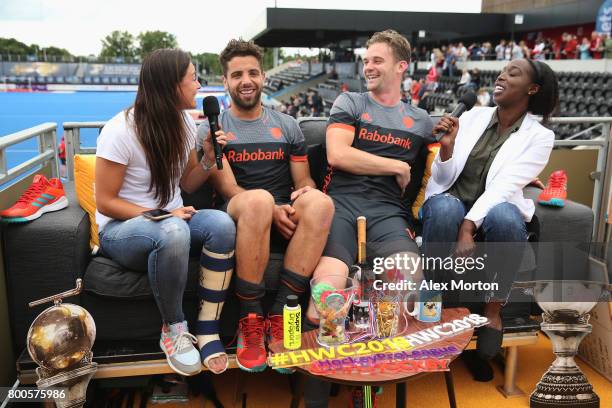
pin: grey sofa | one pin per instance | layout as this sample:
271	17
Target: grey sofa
45	257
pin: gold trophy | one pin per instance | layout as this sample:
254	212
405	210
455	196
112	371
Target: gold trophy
60	341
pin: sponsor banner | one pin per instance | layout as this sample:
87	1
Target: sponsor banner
603	20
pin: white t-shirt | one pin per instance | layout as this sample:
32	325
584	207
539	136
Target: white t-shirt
118	143
517	52
407	84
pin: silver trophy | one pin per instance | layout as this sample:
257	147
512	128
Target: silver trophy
566	304
60	341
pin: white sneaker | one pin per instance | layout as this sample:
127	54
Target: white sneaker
178	345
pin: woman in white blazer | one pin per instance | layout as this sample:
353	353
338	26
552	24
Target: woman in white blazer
486	159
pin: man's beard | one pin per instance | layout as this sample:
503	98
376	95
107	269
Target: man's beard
246	105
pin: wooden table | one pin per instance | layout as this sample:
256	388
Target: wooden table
460	341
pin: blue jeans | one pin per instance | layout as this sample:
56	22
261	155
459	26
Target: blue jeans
162	249
442	217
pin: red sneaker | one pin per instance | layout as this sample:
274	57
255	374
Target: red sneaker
555	192
274	328
274	332
251	349
42	196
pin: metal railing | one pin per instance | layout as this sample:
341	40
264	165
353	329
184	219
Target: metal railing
72	139
602	176
46	136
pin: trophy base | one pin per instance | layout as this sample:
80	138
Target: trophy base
75	381
564	390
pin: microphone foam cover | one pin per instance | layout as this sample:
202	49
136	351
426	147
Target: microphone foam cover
468	99
211	106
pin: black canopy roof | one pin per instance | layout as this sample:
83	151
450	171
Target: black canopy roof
288	27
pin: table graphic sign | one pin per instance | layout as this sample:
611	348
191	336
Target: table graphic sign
410	353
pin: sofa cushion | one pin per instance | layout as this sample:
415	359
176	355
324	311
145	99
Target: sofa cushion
433	149
105	277
84	177
123	307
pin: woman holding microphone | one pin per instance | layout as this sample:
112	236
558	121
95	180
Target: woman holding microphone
145	155
476	187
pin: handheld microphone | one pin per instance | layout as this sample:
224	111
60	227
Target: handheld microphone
466	102
211	111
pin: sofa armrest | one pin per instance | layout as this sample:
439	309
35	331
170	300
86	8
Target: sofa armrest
565	239
42	258
573	222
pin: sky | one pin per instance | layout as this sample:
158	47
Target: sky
199	26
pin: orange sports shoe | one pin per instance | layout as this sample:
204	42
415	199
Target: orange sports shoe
42	196
555	192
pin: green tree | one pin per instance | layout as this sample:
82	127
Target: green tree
10	46
208	62
14	47
57	52
153	40
118	44
268	59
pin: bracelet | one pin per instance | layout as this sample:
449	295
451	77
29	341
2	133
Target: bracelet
207	167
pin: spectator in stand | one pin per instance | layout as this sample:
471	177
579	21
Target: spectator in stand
538	51
483	98
515	51
465	79
549	48
437	58
333	74
570	48
562	44
344	87
608	46
508	51
487	50
431	83
423	53
407	86
292	109
525	49
475	52
416	89
596	45
450	61
462	52
585	49
318	106
500	50
475	82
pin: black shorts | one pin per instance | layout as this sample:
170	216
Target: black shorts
278	243
388	230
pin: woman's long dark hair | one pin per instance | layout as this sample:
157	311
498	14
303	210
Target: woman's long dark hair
545	102
159	122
